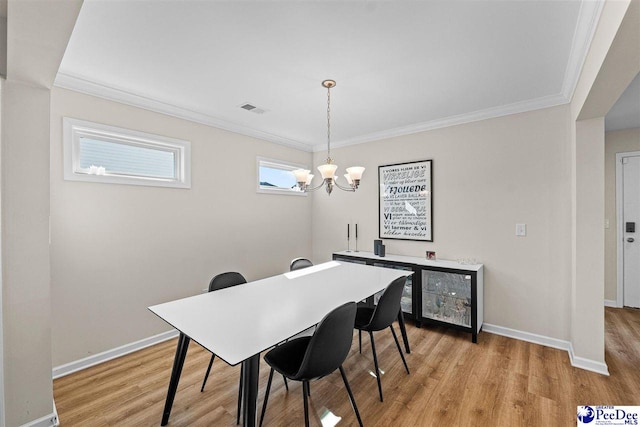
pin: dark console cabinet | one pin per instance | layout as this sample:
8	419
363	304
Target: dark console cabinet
438	292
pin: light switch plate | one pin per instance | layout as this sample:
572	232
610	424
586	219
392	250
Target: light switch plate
521	230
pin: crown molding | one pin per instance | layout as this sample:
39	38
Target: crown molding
66	81
78	84
588	19
489	113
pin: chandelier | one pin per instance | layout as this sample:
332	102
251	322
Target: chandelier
328	170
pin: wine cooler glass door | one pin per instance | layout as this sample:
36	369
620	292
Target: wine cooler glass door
446	297
407	295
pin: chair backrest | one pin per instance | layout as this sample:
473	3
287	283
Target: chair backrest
329	344
226	280
298	263
388	306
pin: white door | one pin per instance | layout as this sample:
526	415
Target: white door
631	230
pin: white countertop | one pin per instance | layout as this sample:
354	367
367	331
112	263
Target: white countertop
442	263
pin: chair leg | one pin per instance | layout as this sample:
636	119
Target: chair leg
395	337
353	401
240	394
360	340
403	331
286	385
206	375
266	397
375	362
305	387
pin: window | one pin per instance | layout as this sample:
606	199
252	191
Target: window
275	176
99	153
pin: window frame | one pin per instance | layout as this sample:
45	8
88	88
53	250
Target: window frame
74	129
277	164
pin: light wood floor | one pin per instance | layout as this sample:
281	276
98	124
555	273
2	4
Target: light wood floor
497	382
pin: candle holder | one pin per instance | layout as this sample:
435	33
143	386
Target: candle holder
356	238
348	248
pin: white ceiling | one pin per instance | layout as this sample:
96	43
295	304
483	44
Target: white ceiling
400	66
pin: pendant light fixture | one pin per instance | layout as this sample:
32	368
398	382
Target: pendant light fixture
328	170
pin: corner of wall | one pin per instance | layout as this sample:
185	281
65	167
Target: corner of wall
587	364
2	408
50	420
3	46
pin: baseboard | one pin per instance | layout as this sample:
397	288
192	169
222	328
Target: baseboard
578	362
527	336
50	420
78	365
610	303
55	413
588	364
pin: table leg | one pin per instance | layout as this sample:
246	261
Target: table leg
178	362
403	331
250	372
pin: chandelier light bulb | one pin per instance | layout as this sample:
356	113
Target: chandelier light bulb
355	172
301	175
327	170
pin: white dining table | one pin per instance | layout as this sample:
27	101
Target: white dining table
240	322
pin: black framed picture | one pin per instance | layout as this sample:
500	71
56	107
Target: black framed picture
405	203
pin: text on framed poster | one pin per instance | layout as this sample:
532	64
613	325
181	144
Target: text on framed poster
405	206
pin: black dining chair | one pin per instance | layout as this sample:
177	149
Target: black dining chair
222	281
298	263
381	317
309	358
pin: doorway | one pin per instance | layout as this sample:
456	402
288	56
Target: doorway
628	233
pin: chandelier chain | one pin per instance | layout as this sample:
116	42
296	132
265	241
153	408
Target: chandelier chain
329	123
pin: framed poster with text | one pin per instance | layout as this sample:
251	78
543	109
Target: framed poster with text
405	204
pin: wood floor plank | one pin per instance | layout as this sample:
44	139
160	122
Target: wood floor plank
453	382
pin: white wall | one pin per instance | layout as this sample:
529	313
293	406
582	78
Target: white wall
3	43
588	240
487	176
620	141
37	33
116	249
25	252
611	64
2	409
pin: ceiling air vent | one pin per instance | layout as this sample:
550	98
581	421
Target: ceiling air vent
252	108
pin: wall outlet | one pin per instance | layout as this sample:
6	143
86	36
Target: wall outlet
521	230
606	223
